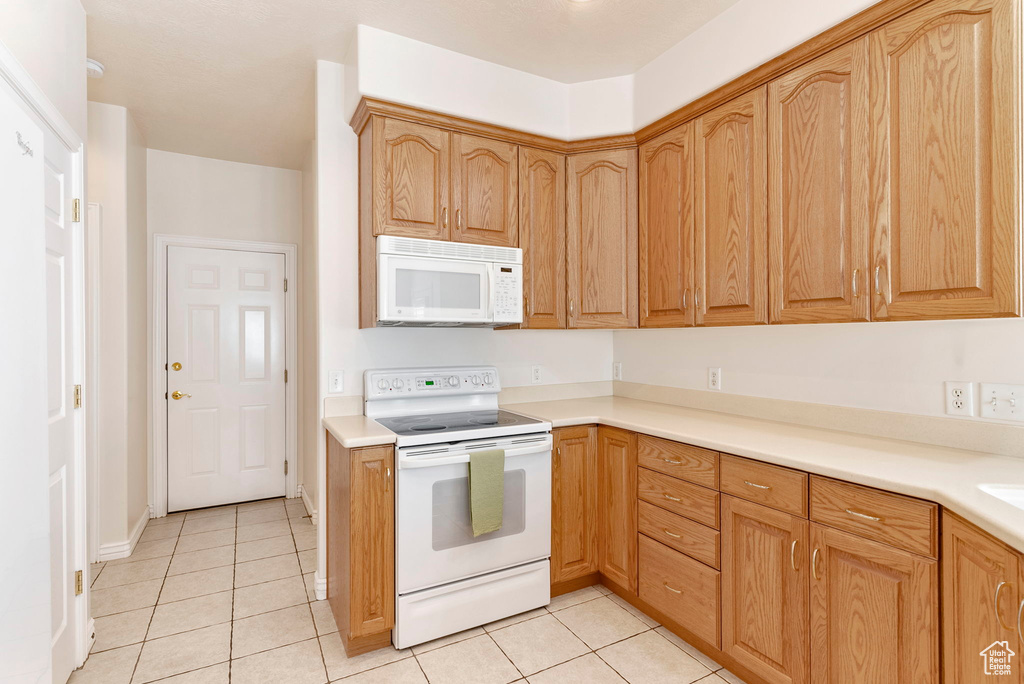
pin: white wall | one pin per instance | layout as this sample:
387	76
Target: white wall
309	334
48	38
136	248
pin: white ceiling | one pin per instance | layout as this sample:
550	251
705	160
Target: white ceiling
233	79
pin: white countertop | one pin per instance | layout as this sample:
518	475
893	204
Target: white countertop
949	477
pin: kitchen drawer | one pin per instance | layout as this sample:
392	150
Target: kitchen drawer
900	521
695	540
688	500
768	485
686	462
683	589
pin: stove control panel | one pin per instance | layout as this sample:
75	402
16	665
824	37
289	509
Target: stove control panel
423	382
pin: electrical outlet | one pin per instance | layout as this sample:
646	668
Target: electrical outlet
335	382
959	398
536	375
715	379
617	370
1003	402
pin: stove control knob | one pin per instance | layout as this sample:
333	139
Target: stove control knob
476	379
487	378
382	384
453	381
398	384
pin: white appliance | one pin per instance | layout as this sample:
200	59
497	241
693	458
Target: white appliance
446	579
434	283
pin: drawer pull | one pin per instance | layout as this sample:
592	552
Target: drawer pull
672	462
672	534
864	515
792	554
754	485
814	564
999	616
677	591
671	498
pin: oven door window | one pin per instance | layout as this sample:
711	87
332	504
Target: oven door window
452	524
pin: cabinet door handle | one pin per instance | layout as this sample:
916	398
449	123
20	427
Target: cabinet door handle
672	534
572	308
686	298
671	498
444	217
755	486
999	616
696	298
671	462
814	564
526	304
458	219
792	554
856	277
676	591
1020	614
387	479
864	515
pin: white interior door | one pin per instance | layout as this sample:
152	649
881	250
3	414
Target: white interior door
226	437
62	320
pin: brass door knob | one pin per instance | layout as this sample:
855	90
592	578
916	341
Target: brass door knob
176	366
180	395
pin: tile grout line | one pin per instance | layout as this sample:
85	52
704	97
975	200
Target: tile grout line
152	613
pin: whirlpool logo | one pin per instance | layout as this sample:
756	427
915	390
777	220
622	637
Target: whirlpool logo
997	659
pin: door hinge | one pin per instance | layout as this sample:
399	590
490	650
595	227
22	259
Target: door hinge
286	376
78	583
78	396
76	210
285	284
286	466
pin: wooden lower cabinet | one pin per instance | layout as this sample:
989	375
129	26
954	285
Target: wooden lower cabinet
360	512
685	590
981	595
616	490
764	590
874	612
573	503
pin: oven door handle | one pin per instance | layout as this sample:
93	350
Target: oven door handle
453	459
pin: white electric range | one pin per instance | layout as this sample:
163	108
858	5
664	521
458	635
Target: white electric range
447	580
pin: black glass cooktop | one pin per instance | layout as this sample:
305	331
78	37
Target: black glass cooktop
440	423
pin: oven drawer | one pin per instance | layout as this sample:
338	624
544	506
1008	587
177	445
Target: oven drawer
685	499
686	462
683	589
695	540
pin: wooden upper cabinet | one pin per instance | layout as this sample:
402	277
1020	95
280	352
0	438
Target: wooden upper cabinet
874	612
574	503
617	515
818	218
764	590
666	229
542	237
601	242
730	192
410	179
980	594
485	191
945	165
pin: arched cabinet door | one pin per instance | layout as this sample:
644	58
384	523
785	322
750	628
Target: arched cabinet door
485	191
946	175
666	229
818	217
731	235
542	237
601	255
411	179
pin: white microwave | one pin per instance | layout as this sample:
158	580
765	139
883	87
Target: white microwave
434	283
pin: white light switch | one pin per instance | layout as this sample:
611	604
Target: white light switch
1003	402
335	382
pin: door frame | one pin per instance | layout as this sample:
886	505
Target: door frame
158	356
40	107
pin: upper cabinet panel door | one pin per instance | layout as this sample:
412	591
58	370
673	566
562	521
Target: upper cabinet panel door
945	166
542	237
410	177
731	235
602	239
818	188
666	230
485	192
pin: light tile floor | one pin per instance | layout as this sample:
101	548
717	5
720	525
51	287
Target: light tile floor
226	594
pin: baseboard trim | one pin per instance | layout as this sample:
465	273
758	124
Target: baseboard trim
320	586
308	504
116	550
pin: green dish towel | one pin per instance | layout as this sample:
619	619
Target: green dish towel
486	490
